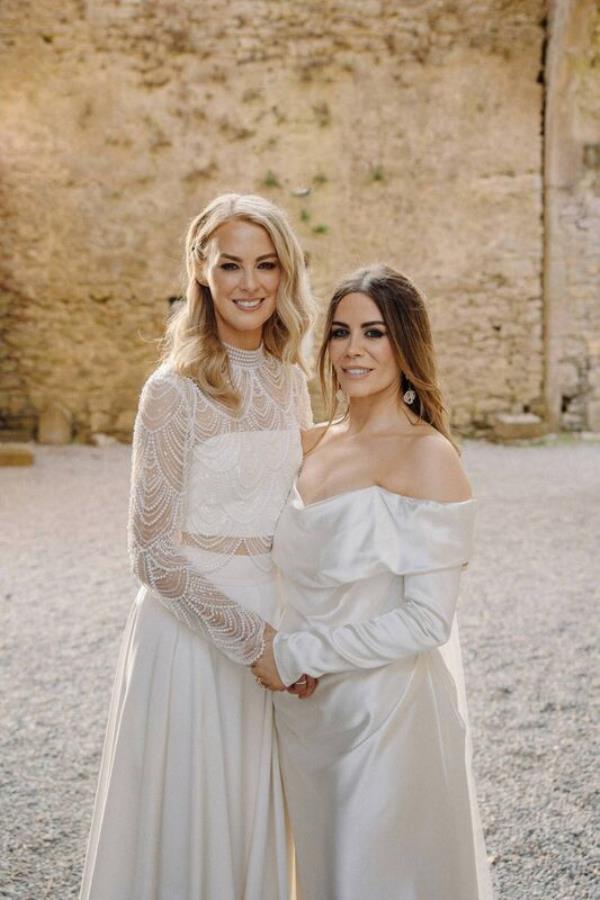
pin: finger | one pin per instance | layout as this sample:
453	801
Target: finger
298	687
312	689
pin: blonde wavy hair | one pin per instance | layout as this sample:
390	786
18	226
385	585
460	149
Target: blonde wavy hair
405	315
191	344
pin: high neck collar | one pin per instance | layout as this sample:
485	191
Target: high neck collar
250	359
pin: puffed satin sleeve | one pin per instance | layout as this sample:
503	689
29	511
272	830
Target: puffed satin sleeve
421	621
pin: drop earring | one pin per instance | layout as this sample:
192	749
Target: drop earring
409	396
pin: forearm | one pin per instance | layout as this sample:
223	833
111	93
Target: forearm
163	436
421	622
199	604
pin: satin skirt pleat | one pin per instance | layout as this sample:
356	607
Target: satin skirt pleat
189	803
382	804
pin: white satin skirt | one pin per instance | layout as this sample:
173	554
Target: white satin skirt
189	803
379	787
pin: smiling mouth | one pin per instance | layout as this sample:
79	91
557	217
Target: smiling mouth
356	371
249	305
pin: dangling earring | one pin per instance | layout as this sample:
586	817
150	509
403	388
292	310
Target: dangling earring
409	396
340	395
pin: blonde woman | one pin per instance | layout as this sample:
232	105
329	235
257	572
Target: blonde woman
189	802
371	545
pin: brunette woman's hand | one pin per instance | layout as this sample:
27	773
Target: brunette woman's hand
304	687
265	668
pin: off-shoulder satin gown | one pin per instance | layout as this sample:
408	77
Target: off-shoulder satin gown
377	764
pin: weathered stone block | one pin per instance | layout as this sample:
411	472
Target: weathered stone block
569	378
521	426
16	436
102	440
99	421
594	377
55	425
16	455
125	421
593	416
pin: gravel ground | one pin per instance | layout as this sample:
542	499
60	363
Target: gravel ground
527	624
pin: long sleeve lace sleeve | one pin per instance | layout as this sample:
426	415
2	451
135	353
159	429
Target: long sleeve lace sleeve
421	622
162	439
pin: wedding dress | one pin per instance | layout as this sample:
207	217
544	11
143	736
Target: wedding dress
377	764
189	803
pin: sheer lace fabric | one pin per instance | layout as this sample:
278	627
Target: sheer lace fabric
208	483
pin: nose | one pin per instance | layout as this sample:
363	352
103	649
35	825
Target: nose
354	347
248	280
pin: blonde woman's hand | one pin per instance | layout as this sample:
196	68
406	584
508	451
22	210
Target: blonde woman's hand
265	668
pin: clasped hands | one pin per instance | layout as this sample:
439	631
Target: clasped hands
266	674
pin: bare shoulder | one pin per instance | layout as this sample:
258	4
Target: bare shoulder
312	436
430	470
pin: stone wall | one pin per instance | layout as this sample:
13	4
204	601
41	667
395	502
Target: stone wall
407	132
572	276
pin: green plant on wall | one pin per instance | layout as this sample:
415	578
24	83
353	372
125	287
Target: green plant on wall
320	178
304	215
377	173
320	229
271	180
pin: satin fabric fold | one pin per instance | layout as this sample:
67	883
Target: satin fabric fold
377	764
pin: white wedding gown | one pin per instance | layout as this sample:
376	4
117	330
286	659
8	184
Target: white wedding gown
377	764
189	803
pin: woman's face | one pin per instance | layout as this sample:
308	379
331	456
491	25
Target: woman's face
243	273
360	349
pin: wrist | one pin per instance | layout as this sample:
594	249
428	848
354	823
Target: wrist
288	667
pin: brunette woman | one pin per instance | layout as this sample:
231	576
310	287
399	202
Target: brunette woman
371	546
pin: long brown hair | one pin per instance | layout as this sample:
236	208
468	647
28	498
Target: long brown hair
405	315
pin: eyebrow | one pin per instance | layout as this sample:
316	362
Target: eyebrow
364	324
258	258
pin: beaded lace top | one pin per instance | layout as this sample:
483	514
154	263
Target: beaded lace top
208	483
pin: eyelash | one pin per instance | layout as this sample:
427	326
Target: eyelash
231	266
339	333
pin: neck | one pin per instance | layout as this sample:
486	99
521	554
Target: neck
242	340
377	412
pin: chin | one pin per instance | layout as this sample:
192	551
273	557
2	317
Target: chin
249	321
360	390
248	324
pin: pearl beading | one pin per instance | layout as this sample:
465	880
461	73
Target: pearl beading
174	417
